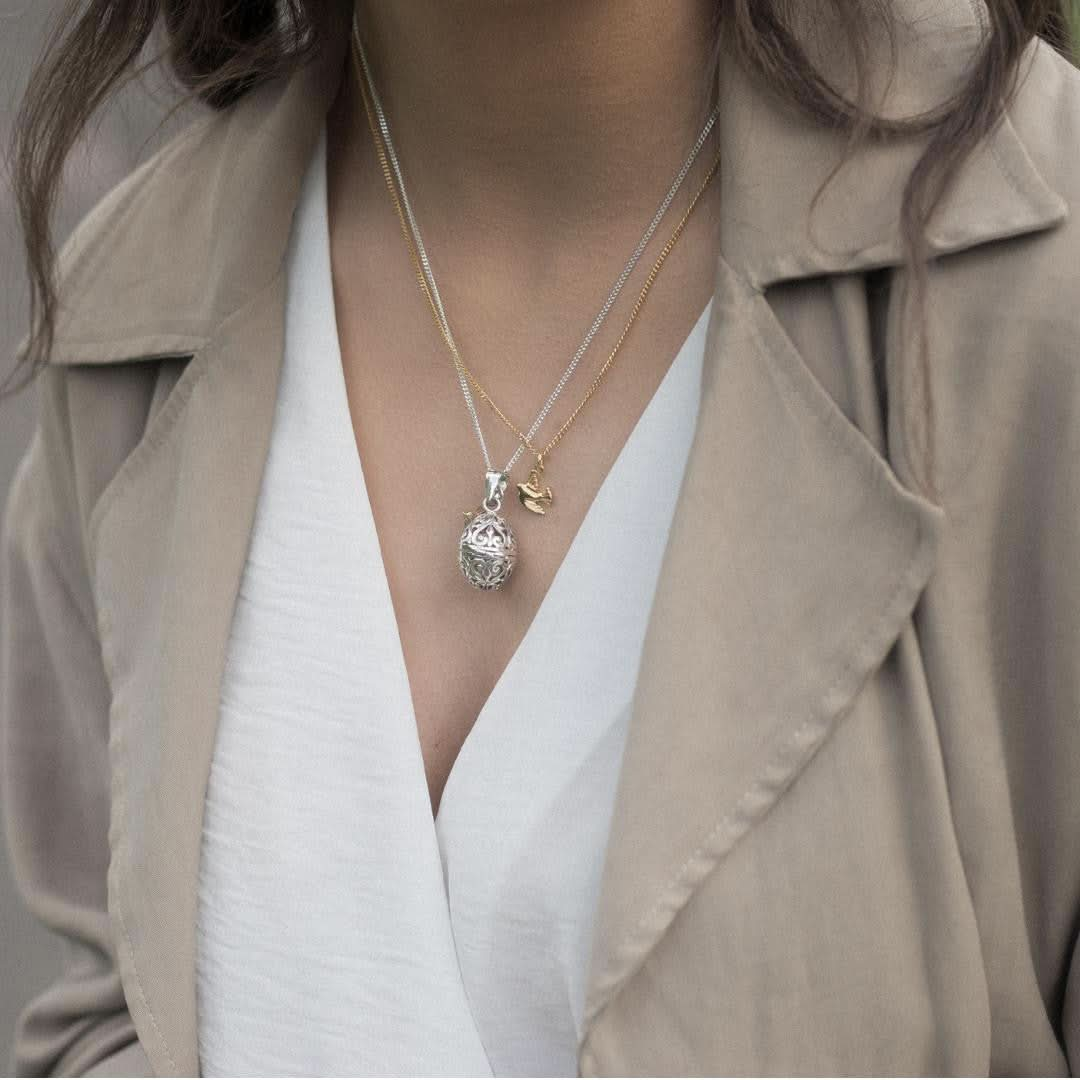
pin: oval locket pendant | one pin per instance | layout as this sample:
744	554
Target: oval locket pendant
487	551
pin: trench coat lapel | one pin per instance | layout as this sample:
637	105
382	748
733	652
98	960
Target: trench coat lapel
166	658
794	557
796	553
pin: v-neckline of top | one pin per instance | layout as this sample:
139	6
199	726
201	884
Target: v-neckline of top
571	557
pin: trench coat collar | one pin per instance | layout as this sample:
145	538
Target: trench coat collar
745	670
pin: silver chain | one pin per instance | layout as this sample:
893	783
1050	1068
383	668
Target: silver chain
429	276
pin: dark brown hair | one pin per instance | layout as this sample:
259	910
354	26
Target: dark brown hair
220	49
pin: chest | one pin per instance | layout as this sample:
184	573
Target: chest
423	469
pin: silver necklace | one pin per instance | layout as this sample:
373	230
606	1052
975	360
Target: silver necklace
488	548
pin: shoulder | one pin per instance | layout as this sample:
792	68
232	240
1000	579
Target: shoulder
118	244
187	236
1045	110
91	412
1003	321
155	269
151	273
1042	272
1017	298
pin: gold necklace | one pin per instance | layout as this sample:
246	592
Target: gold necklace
492	553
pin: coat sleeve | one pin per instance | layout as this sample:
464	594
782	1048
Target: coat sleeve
54	725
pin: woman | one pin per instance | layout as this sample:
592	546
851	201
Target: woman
736	729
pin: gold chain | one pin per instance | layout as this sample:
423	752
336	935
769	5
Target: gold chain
458	362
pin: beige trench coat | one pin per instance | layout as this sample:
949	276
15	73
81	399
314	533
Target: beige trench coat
847	831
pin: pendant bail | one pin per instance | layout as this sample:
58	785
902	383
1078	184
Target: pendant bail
494	486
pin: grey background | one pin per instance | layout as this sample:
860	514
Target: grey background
126	132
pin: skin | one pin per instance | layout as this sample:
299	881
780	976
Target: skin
536	140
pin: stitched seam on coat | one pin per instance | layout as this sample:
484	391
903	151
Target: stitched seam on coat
186	338
119	811
142	995
738	817
784	748
186	329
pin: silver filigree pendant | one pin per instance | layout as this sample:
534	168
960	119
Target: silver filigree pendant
487	551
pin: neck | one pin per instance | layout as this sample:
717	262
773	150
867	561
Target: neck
545	115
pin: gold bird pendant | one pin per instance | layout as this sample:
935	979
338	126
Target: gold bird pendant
534	497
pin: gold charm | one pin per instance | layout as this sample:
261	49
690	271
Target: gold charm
533	497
